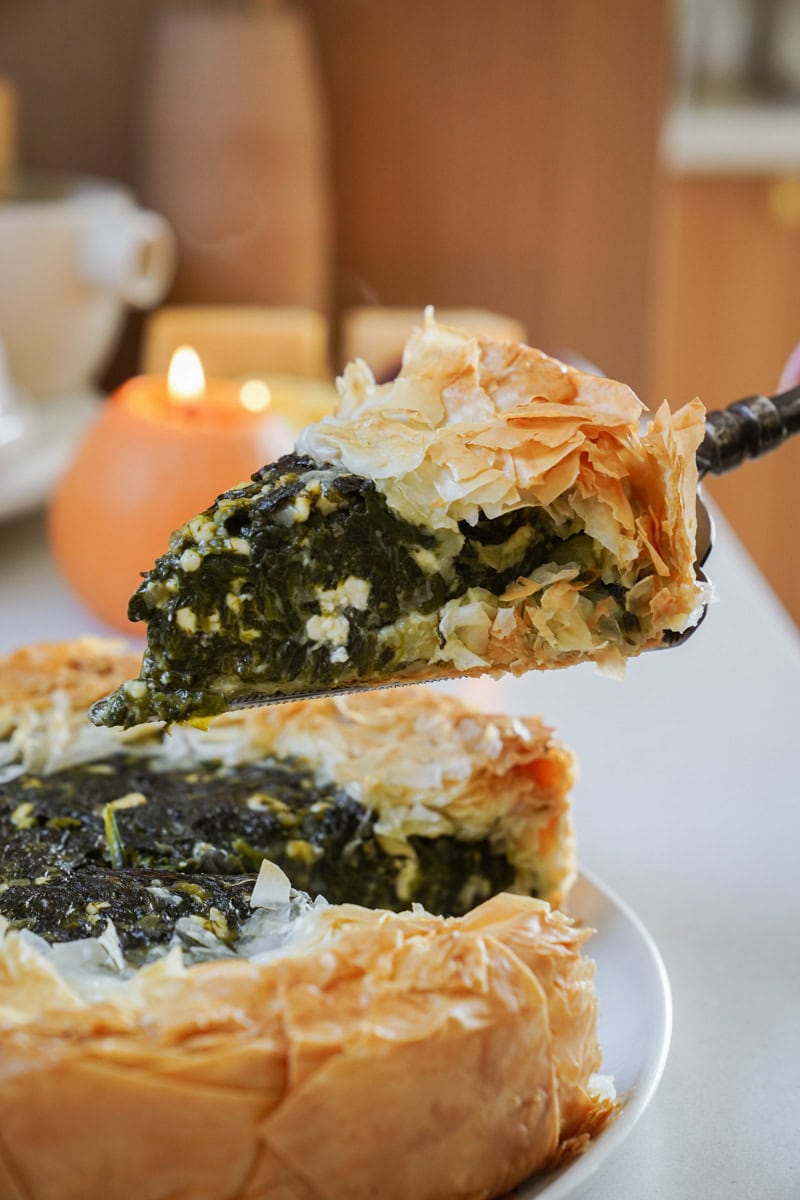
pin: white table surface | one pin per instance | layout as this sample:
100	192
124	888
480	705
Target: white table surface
689	807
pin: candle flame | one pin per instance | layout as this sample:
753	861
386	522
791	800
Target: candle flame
185	378
255	396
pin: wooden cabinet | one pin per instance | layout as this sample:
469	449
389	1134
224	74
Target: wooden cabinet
726	314
500	155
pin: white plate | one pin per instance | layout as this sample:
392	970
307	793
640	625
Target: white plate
635	1025
28	476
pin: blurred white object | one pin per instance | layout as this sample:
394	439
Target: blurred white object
16	417
741	139
74	253
784	48
732	50
715	40
30	466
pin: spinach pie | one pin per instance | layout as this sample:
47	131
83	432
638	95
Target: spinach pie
491	510
181	1022
389	801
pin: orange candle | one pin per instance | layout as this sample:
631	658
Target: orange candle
161	450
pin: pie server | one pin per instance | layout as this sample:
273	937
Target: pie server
747	429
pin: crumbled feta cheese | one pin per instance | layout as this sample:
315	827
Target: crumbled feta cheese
187	620
22	816
302	508
212	623
426	560
351	593
160	591
136	689
328	629
190	560
202	529
295	513
326	506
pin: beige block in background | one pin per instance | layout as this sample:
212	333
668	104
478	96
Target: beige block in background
8	136
235	341
378	334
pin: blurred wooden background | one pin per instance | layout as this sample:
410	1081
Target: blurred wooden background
500	155
503	155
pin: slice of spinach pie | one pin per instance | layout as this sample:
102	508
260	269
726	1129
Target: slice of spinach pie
490	510
407	798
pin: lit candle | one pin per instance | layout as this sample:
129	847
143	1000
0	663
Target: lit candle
161	450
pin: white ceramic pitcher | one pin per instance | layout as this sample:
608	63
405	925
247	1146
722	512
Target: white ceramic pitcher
74	253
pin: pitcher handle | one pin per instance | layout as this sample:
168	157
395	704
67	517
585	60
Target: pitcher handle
136	256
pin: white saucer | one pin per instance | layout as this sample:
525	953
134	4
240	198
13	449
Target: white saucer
28	477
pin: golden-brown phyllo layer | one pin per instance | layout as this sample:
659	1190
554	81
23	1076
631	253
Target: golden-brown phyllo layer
491	510
387	800
371	1054
78	671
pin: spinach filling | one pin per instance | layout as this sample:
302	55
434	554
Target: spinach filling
304	579
118	840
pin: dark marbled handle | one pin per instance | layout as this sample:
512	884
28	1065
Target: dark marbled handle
747	429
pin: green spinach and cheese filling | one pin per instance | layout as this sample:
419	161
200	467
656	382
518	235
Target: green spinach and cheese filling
175	854
305	580
388	801
490	510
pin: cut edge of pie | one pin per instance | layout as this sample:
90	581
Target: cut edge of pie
426	764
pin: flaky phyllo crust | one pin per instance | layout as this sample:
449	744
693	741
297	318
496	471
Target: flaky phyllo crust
371	1054
401	1056
78	671
426	763
473	428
